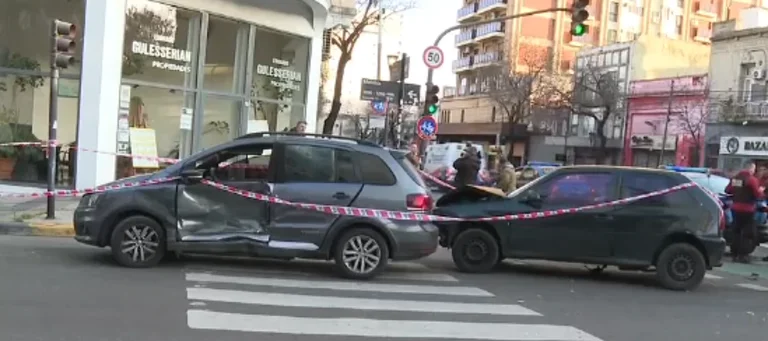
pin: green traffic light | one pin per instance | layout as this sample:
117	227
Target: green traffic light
578	30
432	109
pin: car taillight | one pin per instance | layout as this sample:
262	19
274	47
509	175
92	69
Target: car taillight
419	202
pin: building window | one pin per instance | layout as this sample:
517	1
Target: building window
679	24
24	88
613	12
462	116
612	36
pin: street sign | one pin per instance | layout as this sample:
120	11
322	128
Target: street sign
433	57
426	127
380	91
379	107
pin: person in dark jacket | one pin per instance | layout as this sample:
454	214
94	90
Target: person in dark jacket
746	191
467	166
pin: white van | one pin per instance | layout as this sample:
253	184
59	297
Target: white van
439	160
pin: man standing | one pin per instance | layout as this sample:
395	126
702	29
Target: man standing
746	191
467	166
507	178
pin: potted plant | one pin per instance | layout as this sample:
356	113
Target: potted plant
11	131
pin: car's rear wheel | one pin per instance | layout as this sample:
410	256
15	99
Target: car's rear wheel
138	242
680	266
475	250
361	253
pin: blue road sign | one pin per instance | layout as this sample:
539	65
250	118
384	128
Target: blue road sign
379	107
426	128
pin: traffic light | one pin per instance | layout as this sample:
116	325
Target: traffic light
64	45
432	100
579	15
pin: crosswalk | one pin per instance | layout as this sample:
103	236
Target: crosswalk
403	303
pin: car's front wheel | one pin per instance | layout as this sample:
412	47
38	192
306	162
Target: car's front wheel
138	242
475	250
680	266
361	253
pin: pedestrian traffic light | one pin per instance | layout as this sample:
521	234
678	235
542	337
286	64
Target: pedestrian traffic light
579	15
64	45
432	100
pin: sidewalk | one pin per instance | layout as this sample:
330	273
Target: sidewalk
26	216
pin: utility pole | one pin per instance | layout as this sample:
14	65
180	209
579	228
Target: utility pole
400	99
666	121
379	44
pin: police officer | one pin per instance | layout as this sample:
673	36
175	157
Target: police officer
746	191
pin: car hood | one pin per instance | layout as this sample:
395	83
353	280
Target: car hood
471	201
131	179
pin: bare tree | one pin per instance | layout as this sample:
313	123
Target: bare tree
690	117
371	12
595	93
515	90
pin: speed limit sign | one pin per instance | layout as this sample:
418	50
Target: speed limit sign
433	57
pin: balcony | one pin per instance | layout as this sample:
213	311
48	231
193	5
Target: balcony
485	59
701	34
462	64
490	5
705	9
465	37
491	30
467	12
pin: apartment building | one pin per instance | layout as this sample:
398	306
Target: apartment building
739	92
469	115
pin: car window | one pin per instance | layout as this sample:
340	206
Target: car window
635	184
303	163
374	170
240	164
577	189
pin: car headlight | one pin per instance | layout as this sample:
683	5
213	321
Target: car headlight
90	200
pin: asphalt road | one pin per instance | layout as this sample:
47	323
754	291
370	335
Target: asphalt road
54	289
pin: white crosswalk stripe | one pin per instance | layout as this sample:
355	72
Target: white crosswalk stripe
270	303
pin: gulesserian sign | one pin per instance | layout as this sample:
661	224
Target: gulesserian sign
169	55
744	145
284	77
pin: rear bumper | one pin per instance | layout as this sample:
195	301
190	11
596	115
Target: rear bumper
715	250
415	240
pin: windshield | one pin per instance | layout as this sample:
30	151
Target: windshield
714	183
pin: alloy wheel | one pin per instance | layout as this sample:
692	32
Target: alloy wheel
361	254
140	243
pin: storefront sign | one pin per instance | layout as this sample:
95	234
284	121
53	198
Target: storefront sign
743	145
284	77
164	52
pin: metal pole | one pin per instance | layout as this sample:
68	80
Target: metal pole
378	47
666	121
430	72
53	108
400	99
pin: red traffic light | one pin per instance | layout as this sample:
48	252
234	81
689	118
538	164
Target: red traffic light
434	90
64	45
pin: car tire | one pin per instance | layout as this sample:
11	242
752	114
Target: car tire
680	266
138	242
361	244
475	251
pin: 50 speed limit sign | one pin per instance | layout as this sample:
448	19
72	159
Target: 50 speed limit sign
433	57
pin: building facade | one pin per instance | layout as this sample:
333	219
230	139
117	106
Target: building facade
739	86
685	101
163	78
610	22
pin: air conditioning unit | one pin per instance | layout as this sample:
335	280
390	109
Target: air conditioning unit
746	58
758	74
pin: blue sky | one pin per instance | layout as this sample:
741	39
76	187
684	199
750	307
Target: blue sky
421	26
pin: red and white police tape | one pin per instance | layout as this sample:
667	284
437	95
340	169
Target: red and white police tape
412	216
434	179
78	192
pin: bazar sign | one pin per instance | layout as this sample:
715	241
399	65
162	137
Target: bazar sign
742	145
164	52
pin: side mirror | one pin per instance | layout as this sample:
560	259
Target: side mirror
192	175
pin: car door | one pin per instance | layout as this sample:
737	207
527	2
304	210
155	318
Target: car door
643	224
571	236
206	213
311	174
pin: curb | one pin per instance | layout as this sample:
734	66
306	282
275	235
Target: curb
37	229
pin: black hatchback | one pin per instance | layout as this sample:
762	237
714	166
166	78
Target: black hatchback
677	234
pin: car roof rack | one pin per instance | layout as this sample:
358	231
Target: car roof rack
330	137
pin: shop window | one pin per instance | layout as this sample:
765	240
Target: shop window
279	82
221	119
161	43
225	55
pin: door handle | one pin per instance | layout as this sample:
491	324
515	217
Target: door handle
340	195
603	216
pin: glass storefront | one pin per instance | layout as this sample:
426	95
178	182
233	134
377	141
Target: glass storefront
25	89
250	79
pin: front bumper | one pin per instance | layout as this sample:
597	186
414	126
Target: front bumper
87	228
